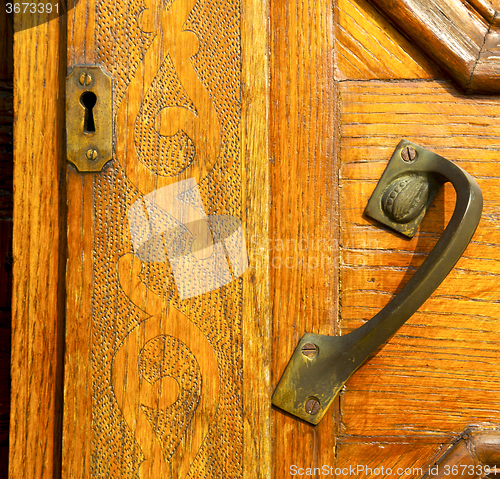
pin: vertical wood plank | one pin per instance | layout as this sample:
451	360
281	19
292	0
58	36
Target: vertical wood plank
113	425
257	452
38	248
302	245
77	442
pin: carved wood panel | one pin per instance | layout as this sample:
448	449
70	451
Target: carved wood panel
164	292
131	327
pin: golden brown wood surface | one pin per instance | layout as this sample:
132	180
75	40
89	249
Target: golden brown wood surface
462	37
257	344
303	153
167	375
486	8
384	457
474	454
487	71
76	437
302	241
439	373
443	29
368	47
38	249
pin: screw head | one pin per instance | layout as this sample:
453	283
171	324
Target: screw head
92	154
312	406
85	79
408	154
309	350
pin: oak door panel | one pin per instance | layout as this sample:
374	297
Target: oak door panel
368	47
439	373
39	248
166	344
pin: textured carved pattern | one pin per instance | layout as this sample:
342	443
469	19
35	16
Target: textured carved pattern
176	151
114	317
121	43
137	314
165	356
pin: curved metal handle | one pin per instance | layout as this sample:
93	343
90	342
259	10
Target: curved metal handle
321	365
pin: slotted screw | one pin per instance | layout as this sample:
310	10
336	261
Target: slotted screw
92	154
309	350
312	406
408	154
85	79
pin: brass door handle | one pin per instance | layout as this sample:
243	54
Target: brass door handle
321	365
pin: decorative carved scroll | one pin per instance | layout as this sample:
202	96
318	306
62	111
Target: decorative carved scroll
167	359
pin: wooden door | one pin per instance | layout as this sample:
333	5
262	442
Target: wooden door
286	115
439	374
167	374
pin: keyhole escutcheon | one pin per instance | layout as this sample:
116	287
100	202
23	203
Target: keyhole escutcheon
89	118
88	101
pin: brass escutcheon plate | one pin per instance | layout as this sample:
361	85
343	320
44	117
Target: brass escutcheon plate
89	131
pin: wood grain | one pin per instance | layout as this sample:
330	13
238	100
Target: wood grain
368	47
461	39
436	376
426	379
159	383
445	30
257	349
76	457
38	249
486	74
301	246
385	457
474	454
486	8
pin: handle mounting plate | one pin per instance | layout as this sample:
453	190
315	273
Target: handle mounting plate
311	381
403	195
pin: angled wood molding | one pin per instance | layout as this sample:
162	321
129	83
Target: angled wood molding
462	36
474	454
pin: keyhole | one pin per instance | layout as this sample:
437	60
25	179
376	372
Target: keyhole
88	100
